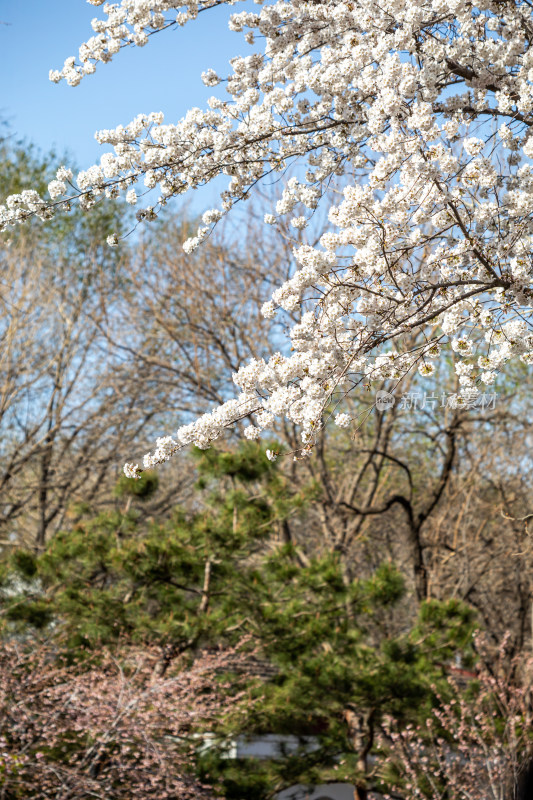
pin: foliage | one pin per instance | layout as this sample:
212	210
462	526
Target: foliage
115	574
337	676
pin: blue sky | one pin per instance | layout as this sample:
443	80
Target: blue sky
37	35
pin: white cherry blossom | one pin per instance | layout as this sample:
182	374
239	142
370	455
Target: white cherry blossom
411	121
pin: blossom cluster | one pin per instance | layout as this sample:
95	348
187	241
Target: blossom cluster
411	122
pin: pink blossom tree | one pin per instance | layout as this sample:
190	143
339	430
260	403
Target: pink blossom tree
109	728
475	743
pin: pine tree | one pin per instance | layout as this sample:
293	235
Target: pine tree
216	574
177	582
338	677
